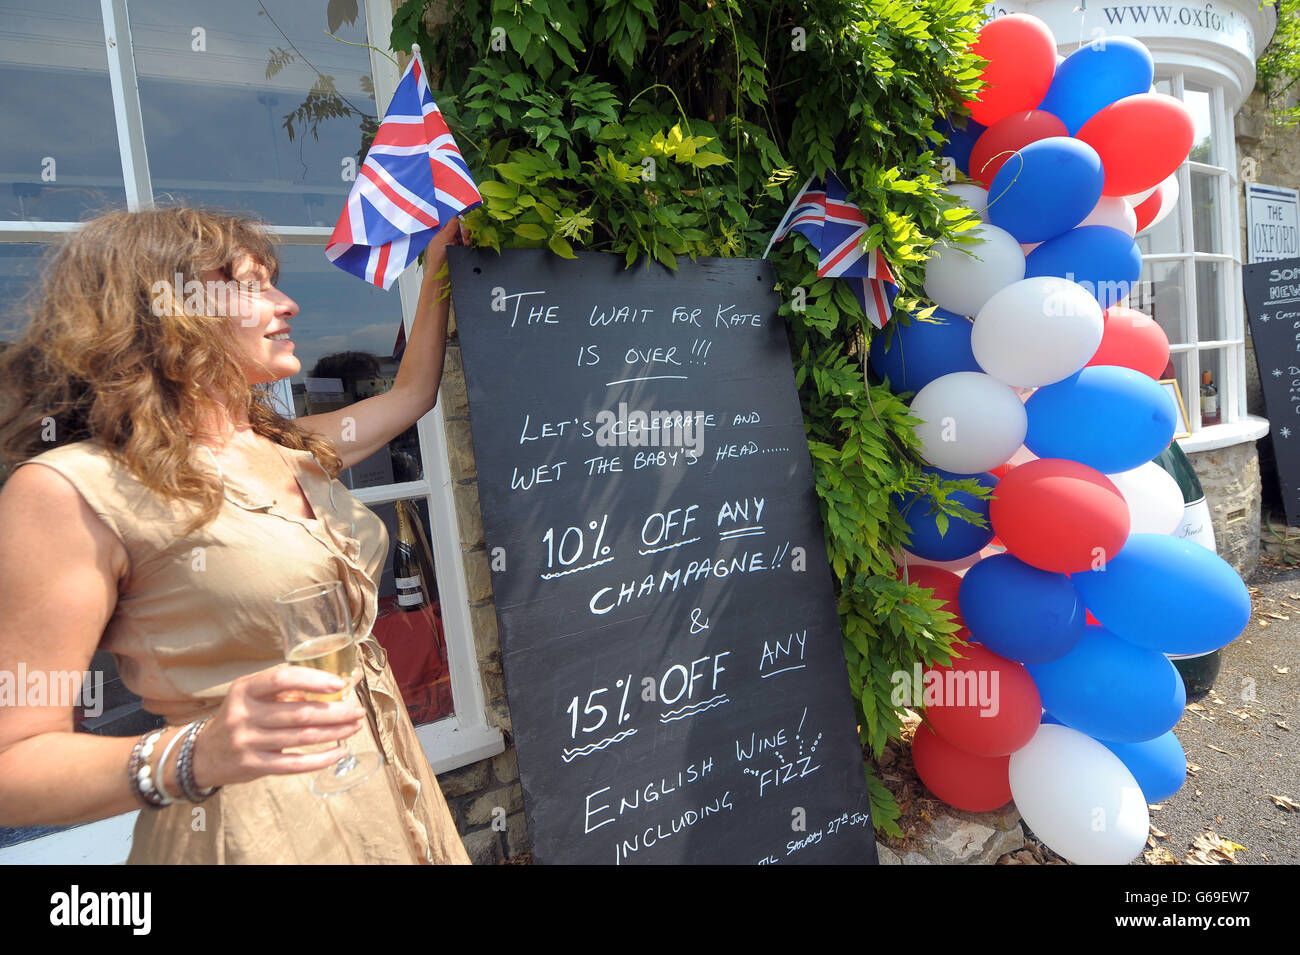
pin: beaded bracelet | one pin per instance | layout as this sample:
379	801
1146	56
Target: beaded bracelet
185	766
140	773
160	775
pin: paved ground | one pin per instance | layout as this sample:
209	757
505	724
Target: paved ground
1243	739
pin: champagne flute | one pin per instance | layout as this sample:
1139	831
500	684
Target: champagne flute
317	630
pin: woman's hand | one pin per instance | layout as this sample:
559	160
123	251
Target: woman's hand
453	233
247	736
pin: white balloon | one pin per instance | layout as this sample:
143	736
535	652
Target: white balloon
962	281
1037	331
1168	199
1140	197
1079	798
1114	212
969	422
958	567
1022	456
1155	502
973	197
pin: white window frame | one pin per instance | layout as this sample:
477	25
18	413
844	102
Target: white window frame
1236	425
457	740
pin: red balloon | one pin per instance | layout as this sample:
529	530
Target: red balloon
944	583
962	780
1134	340
1141	140
1060	515
983	704
1148	208
1090	619
997	143
1022	61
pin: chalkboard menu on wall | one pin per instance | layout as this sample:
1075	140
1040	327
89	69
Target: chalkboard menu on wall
670	643
1273	308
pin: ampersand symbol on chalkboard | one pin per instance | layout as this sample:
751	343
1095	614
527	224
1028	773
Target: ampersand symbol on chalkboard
698	625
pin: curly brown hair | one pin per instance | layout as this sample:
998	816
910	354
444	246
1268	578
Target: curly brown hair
101	360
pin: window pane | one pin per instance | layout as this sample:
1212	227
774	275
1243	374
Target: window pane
1204	148
1160	295
1165	236
347	335
58	157
250	106
1179	369
1205	212
1210	385
1211	322
20	269
409	624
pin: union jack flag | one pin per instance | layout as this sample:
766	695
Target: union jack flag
823	213
413	182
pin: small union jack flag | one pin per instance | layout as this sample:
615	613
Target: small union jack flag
836	227
413	182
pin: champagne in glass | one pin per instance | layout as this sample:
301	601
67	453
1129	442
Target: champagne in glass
317	630
334	653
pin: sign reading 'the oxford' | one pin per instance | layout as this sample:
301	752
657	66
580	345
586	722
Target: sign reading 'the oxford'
669	637
1272	222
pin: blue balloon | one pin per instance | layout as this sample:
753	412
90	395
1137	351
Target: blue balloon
960	142
1020	612
1168	595
1105	261
1159	765
1094	76
1110	689
1107	417
961	538
915	354
1046	188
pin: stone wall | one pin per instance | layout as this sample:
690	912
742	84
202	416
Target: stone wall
1276	152
1230	477
486	798
1276	155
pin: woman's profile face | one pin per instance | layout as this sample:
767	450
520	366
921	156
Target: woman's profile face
260	314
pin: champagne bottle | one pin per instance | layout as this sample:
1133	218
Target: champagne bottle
406	566
1209	400
1198	671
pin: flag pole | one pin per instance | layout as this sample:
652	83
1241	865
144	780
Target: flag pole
793	202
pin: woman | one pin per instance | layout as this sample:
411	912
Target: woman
173	507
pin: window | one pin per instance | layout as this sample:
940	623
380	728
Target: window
250	107
1191	264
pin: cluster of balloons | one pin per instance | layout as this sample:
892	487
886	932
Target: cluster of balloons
1035	379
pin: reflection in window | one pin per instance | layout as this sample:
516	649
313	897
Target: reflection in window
409	624
1198	103
1211	322
1160	295
20	271
261	111
58	158
349	337
1205	212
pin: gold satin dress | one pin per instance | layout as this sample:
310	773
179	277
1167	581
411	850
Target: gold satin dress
196	612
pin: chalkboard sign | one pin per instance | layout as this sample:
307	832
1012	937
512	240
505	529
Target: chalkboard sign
670	643
1273	307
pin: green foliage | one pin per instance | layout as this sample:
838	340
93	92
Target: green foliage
1278	69
655	129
